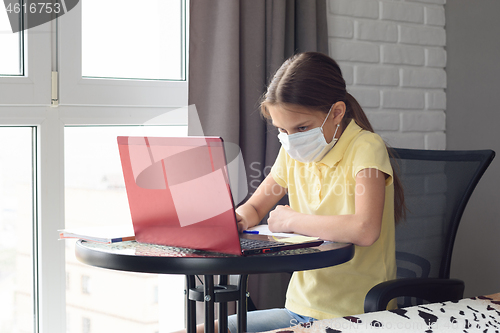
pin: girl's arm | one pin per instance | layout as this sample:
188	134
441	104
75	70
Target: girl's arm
361	228
260	203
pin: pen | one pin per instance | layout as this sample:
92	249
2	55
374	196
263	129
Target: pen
251	232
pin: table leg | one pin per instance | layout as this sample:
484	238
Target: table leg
223	281
242	304
190	305
225	293
209	304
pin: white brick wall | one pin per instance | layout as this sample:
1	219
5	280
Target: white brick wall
393	58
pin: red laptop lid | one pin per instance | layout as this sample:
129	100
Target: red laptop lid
178	192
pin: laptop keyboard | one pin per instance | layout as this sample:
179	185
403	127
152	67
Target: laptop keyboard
249	244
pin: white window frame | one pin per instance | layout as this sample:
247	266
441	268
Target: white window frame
77	90
26	101
34	87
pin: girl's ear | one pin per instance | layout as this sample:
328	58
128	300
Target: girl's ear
338	111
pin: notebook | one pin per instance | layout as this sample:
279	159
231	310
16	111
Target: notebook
179	195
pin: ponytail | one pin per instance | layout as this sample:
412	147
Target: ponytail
399	197
355	111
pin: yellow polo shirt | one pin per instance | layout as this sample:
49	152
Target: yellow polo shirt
328	187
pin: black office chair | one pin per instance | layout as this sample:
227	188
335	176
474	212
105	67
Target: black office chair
437	186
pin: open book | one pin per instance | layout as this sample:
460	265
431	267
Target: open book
105	234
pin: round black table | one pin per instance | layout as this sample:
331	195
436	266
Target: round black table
148	258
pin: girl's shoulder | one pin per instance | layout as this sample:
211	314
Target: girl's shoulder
368	150
367	139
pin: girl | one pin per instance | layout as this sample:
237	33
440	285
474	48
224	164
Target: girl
340	186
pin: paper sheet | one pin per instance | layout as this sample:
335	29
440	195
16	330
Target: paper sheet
263	229
297	239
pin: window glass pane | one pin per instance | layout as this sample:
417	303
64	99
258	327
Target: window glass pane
101	300
132	39
16	230
10	46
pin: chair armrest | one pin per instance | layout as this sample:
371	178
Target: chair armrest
431	290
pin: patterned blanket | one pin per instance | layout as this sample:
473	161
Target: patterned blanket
476	314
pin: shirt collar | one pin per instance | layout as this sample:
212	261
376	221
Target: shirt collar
337	152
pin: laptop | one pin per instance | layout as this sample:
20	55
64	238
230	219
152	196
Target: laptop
179	195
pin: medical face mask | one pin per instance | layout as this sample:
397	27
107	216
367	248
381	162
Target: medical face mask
308	146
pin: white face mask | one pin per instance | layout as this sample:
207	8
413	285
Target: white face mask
308	146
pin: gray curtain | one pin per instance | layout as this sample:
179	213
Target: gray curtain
235	47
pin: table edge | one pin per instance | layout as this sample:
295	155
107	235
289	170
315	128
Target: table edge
257	264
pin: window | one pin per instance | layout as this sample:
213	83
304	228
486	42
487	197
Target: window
16	230
23	79
170	296
86	325
11	57
97	53
86	285
95	195
144	40
85	103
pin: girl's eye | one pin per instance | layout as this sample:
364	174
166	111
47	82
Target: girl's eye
302	128
281	130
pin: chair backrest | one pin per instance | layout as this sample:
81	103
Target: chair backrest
437	186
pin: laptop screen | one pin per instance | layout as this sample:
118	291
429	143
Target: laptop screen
178	191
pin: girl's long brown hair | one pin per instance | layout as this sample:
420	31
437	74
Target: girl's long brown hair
315	81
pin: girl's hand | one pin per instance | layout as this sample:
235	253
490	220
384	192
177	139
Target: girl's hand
260	203
241	223
279	219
